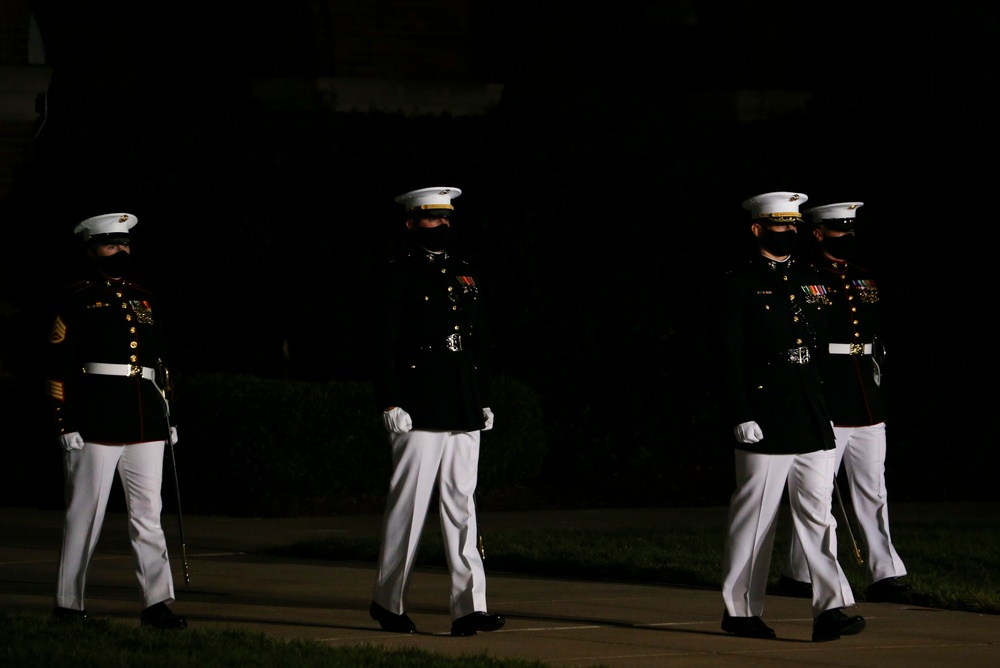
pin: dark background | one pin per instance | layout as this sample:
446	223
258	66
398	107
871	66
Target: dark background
601	195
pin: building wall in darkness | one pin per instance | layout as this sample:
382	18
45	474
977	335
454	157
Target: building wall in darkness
23	80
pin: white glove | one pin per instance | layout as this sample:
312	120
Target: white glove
173	435
71	441
748	432
397	421
488	414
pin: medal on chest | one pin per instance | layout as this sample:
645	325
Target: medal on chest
468	284
143	310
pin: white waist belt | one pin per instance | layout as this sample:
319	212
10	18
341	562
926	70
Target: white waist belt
850	349
128	370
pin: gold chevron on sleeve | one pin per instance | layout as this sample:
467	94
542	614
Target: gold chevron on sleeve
58	331
55	389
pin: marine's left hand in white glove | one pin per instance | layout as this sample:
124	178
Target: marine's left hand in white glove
488	416
397	421
748	432
173	435
71	441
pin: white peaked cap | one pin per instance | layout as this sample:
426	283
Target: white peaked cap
775	205
428	198
834	211
109	223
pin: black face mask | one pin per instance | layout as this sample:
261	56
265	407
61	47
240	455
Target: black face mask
432	238
115	266
840	248
779	244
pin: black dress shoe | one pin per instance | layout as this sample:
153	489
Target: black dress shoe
391	622
889	590
69	614
787	586
159	617
834	623
746	627
477	621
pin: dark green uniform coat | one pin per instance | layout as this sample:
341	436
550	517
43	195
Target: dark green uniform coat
765	310
430	343
112	322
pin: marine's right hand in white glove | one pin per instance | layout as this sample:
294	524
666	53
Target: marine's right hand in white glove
748	432
71	441
397	421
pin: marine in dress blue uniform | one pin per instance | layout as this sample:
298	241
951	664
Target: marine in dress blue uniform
852	377
772	331
432	386
106	368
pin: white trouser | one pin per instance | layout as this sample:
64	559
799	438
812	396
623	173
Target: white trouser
753	514
89	473
421	459
862	452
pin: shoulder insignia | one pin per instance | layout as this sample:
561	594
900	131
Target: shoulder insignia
136	286
79	285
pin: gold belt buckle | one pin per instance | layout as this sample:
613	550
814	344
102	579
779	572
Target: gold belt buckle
134	370
857	349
